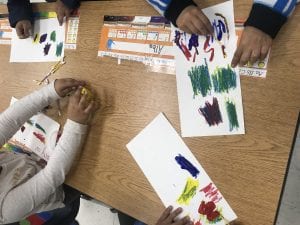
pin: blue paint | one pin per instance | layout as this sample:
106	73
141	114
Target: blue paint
1	33
109	44
187	165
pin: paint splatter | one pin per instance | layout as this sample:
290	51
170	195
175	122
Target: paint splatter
187	165
194	43
53	36
40	137
59	49
46	49
212	192
211	112
22	129
200	79
1	33
210	211
43	38
40	128
109	44
223	79
232	115
221	27
189	191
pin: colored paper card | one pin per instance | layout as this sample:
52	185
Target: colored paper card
5	30
177	176
209	90
259	68
39	135
139	38
46	44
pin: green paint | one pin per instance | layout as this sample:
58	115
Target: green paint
200	79
232	115
53	36
59	49
24	222
223	79
189	191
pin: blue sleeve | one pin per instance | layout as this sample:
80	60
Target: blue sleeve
270	15
19	10
171	9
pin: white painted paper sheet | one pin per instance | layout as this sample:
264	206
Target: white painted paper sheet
209	90
177	176
45	45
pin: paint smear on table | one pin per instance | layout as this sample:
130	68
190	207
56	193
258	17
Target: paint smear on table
211	112
189	191
232	115
187	165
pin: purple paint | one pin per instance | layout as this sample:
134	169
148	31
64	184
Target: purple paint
187	165
43	38
47	48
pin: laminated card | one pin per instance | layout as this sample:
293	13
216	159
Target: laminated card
209	90
177	176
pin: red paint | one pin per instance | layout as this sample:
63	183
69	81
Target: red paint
185	51
198	223
211	50
212	193
223	51
209	209
40	137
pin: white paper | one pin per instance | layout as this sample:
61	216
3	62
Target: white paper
193	122
26	139
26	50
154	149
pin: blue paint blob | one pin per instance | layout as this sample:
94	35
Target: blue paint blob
187	165
1	33
109	44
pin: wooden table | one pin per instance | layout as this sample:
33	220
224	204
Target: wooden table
248	169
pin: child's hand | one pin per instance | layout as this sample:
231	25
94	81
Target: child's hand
168	217
24	29
254	45
193	21
62	11
65	86
79	109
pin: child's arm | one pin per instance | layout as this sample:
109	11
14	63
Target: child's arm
26	198
16	115
184	14
19	10
264	22
64	8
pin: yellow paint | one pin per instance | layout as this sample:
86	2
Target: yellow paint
189	191
87	93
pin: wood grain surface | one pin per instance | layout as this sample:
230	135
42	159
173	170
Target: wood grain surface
248	169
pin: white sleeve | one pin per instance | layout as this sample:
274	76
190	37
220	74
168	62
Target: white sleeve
26	198
16	115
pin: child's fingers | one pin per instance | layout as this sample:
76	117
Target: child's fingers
185	221
174	214
77	95
90	108
83	101
165	214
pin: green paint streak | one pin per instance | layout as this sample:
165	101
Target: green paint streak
232	115
59	48
200	79
189	191
53	36
30	122
224	79
24	222
40	127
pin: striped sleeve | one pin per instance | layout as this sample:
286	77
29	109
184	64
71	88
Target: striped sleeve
270	15
171	9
